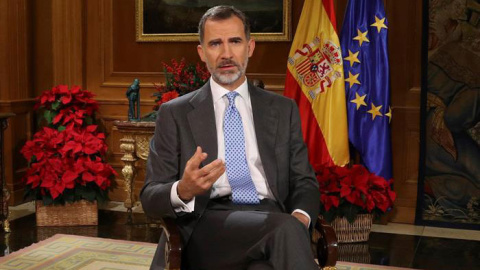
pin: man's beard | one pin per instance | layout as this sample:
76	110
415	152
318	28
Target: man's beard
229	77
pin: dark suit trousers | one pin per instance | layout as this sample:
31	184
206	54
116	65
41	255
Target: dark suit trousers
230	236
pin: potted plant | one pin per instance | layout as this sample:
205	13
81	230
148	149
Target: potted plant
351	197
67	172
180	78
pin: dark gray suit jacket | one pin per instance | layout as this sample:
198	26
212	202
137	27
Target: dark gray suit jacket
189	121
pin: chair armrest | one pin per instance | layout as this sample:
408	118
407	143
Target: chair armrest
327	245
173	245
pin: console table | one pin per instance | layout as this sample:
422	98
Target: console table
5	194
135	146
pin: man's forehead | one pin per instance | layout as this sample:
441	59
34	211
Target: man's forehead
227	28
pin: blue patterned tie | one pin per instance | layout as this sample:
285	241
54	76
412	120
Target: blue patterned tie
243	189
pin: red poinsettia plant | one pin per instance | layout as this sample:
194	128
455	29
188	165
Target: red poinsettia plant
66	156
180	79
349	191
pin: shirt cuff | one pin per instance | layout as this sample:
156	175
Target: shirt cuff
177	203
305	213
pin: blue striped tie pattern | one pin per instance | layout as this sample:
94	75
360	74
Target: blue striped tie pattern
243	189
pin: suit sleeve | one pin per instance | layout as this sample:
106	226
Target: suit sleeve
304	191
162	166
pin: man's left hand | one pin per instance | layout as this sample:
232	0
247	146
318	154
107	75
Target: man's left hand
302	218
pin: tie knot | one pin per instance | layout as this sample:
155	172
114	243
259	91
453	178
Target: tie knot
231	97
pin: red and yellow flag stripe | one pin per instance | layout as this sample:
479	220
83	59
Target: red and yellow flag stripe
315	80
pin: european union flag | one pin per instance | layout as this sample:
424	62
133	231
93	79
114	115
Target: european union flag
367	83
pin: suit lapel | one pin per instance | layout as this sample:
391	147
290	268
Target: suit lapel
202	124
265	118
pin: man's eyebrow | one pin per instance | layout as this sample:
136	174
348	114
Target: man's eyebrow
213	41
235	39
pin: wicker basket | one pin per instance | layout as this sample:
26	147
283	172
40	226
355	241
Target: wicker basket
71	214
358	231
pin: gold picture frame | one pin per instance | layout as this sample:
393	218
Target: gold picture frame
185	16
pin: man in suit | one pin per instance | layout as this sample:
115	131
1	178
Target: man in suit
229	164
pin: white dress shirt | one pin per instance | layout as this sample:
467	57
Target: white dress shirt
222	187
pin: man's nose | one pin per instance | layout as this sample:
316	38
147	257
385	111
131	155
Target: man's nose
226	51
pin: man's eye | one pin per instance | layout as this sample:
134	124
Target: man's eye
214	44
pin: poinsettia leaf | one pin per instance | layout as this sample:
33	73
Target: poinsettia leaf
85	192
88	120
48	116
330	216
56	104
89	195
69	195
351	212
91	128
61	128
33	159
102	196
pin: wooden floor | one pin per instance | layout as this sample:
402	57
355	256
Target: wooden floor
395	244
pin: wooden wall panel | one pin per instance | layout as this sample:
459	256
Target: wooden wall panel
3	49
405	31
67	42
406	142
15	49
16	86
42	46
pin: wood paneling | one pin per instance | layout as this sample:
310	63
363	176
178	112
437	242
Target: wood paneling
405	141
42	46
405	25
15	49
67	42
16	86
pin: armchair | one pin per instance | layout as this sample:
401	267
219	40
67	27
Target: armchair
324	246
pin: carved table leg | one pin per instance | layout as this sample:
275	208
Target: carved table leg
128	171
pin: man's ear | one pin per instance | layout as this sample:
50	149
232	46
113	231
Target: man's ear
200	52
251	47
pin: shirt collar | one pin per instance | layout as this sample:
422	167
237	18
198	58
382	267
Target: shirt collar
218	91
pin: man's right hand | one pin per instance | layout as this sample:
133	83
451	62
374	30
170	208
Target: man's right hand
196	181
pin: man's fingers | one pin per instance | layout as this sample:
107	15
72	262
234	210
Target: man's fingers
217	173
196	159
211	166
214	174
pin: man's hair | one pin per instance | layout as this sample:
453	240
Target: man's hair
220	13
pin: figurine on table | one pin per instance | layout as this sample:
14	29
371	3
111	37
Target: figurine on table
133	95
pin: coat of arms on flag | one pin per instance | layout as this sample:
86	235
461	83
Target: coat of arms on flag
315	65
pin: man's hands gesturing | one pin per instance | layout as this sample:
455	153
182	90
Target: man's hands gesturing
196	181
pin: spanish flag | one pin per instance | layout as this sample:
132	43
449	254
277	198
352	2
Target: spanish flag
315	81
